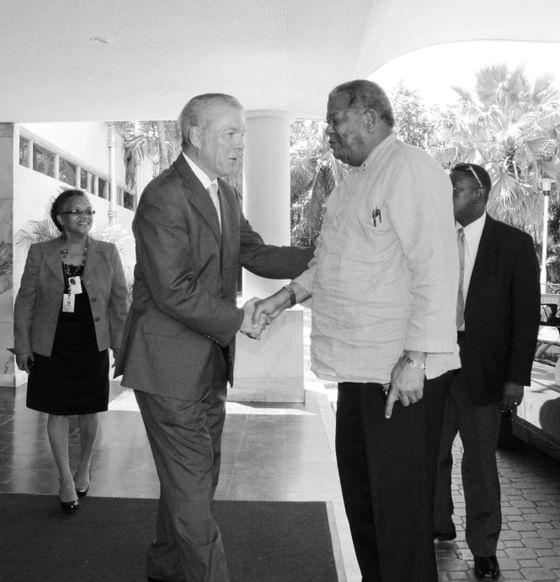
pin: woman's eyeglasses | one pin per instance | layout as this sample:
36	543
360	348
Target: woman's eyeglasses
76	212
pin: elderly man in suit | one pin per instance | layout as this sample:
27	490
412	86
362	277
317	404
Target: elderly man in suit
497	321
178	349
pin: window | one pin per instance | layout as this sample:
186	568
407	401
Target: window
128	201
102	188
67	172
86	181
24	151
43	160
49	161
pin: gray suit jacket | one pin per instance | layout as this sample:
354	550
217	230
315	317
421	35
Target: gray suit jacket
185	283
39	298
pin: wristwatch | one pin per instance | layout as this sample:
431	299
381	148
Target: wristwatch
412	362
292	295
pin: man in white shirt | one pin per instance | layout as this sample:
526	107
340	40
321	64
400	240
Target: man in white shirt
383	283
497	320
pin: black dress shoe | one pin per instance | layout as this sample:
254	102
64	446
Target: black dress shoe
445	536
486	567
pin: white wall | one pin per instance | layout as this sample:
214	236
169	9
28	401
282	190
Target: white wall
86	141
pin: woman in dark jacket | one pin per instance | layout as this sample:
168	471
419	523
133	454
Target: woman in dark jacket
70	309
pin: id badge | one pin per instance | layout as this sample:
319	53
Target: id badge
68	303
75	285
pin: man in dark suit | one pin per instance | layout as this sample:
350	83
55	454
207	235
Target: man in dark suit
498	311
178	349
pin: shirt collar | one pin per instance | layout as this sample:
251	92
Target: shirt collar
199	172
390	139
473	229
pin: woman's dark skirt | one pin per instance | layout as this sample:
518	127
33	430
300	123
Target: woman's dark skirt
75	379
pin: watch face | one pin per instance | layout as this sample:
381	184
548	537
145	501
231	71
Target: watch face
414	363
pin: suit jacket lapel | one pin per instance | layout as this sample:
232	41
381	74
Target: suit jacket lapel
52	257
227	213
93	256
198	196
53	260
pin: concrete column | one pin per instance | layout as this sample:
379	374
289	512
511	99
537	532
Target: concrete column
8	156
269	370
266	195
112	145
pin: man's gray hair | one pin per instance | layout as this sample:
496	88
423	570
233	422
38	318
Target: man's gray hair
194	113
363	94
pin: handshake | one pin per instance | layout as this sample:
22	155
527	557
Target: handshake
258	313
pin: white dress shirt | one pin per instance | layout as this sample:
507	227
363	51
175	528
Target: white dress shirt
473	232
206	182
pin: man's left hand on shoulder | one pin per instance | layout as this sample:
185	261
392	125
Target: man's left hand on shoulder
512	396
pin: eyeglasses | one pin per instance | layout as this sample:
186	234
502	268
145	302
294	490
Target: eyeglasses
76	212
468	168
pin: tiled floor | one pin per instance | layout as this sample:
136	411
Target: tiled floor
286	452
529	545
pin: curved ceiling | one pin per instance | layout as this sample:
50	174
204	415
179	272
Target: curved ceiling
137	59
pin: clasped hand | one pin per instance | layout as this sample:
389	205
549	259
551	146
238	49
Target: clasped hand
258	313
252	326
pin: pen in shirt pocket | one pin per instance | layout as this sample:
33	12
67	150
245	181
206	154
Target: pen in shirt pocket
376	216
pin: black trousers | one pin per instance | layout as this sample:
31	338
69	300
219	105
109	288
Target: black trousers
479	428
387	472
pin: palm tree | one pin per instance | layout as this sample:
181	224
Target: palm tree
314	173
159	141
511	127
415	121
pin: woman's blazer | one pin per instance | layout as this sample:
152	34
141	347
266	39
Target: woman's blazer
39	299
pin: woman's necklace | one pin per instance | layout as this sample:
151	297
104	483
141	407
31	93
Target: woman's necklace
72	279
68	268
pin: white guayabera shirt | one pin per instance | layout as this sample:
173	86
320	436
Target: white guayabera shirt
385	273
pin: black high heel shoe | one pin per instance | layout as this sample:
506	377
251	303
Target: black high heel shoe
67	506
70	506
83	492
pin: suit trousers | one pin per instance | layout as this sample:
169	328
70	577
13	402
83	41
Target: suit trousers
387	473
185	438
479	428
